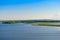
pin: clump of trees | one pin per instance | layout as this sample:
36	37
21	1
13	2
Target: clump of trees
13	22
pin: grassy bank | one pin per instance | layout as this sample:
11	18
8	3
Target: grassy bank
45	24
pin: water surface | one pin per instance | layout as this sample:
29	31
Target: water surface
28	32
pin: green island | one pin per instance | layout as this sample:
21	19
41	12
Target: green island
34	22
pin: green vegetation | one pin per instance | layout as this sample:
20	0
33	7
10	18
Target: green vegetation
46	25
14	22
36	22
9	22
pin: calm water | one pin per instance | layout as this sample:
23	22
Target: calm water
28	32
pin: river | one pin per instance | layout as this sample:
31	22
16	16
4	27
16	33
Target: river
28	32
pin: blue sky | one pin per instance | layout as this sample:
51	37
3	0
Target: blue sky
29	9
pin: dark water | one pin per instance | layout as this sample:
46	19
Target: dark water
28	32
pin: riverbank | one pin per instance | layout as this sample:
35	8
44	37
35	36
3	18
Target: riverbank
46	25
35	22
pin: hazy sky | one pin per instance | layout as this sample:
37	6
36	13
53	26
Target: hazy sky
29	9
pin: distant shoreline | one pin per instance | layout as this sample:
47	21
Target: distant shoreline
29	21
45	22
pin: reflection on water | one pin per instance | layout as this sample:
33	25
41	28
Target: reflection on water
28	32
